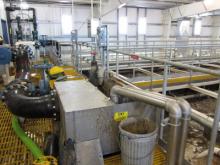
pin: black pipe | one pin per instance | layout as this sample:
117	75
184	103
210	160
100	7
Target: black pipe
30	107
9	21
51	147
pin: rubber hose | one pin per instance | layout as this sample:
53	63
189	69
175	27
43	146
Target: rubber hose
35	150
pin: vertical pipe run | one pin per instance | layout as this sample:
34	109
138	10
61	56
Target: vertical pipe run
117	64
171	106
164	93
214	131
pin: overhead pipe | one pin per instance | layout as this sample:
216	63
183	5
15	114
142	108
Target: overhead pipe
172	107
11	9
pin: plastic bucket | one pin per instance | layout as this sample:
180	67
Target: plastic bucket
137	140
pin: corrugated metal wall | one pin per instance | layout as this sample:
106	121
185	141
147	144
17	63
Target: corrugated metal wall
49	20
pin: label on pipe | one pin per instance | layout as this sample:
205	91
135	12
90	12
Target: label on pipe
119	116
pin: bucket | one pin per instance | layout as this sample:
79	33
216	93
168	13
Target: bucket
137	141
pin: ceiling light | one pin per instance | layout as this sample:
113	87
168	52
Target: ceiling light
205	14
64	1
24	5
209	2
121	5
197	27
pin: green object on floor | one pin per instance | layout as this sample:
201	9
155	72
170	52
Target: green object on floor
35	150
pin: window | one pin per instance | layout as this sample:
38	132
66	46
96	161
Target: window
184	28
24	5
197	27
208	2
123	25
94	26
142	25
66	24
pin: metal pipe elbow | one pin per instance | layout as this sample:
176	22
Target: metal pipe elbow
174	109
113	94
186	108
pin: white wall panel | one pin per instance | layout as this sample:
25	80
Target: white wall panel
132	15
207	21
111	17
2	14
153	30
49	20
132	30
154	16
112	29
206	31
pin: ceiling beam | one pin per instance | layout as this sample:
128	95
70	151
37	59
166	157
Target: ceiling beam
196	8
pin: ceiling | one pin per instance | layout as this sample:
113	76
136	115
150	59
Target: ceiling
160	4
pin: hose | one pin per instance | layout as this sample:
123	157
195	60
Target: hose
35	150
40	158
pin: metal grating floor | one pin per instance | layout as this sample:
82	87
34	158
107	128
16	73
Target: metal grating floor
159	158
12	150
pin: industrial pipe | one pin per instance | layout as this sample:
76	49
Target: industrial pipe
203	119
172	107
29	107
186	115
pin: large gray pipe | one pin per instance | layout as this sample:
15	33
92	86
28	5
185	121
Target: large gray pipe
172	107
186	115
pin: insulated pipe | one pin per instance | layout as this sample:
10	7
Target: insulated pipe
177	64
172	107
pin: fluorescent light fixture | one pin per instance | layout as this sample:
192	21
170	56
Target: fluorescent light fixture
121	5
197	27
184	28
64	1
94	26
205	14
209	2
123	25
66	21
142	25
24	5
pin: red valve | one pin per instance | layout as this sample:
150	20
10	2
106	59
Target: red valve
135	57
93	53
